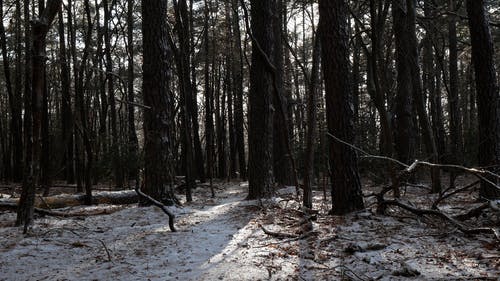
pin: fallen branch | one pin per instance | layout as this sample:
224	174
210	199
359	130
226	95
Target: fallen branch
158	204
454	222
445	195
474	212
105	248
279	235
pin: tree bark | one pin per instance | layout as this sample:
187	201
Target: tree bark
346	186
157	119
260	129
488	99
67	114
133	144
15	110
282	167
40	28
237	73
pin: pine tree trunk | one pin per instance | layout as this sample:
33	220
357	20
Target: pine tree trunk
346	185
157	119
260	123
488	99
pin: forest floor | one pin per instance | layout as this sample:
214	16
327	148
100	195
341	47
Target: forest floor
224	239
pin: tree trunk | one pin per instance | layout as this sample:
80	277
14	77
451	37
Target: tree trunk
312	94
40	28
133	145
282	167
237	73
260	129
67	114
412	58
209	122
403	106
15	110
453	99
346	185
115	147
157	119
488	99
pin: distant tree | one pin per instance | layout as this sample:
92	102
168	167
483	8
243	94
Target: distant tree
488	99
346	186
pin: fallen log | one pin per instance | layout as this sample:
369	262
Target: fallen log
80	213
69	200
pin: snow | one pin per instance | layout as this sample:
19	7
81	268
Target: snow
220	239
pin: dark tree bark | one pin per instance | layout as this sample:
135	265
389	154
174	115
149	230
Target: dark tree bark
82	116
15	110
260	99
209	121
237	73
115	147
231	94
282	166
312	97
457	150
346	186
186	94
403	106
157	119
66	114
488	99
40	28
412	59
133	144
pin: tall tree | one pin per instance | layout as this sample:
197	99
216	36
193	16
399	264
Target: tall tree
453	98
260	123
282	166
346	186
156	75
488	99
186	94
412	59
403	106
40	28
237	73
110	79
133	145
67	114
15	110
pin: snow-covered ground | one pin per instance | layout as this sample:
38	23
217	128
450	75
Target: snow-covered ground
221	239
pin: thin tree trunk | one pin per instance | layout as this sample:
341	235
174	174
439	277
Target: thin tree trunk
133	145
453	99
15	111
237	73
67	114
311	125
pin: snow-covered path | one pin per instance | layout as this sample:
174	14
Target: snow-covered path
132	244
220	239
